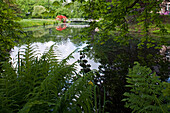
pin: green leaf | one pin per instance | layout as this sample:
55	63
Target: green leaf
56	3
68	5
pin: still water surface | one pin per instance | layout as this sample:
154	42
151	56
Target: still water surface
44	38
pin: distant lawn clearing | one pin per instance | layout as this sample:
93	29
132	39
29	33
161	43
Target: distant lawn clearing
36	22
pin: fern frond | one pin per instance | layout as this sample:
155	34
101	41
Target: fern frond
145	93
50	55
8	87
64	61
45	84
83	89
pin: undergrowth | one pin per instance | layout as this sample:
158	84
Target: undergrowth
43	85
147	93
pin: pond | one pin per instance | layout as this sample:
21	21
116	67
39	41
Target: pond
65	44
112	59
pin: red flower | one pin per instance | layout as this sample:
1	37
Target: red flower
61	17
60	28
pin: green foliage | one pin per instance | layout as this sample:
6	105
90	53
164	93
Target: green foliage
56	3
38	10
62	11
27	6
10	31
75	9
118	15
166	92
145	91
44	85
53	8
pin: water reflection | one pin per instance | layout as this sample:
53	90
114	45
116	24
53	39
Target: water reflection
115	59
61	27
43	39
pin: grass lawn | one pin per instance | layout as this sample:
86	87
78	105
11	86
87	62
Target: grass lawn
35	22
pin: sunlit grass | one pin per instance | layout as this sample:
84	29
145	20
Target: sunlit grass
36	22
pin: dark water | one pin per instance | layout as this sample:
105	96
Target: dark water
111	59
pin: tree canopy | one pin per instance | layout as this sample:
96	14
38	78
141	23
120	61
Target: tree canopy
120	15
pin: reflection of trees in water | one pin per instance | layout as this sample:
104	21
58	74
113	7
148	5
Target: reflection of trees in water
115	60
39	33
51	34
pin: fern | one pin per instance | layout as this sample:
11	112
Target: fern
8	89
45	85
145	91
51	92
51	55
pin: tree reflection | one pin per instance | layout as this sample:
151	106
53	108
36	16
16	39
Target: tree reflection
61	27
51	34
115	59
